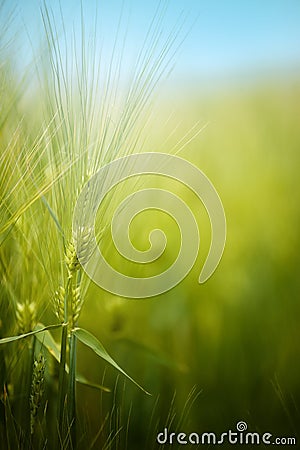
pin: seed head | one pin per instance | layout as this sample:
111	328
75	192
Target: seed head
76	305
71	259
26	316
84	243
37	389
59	303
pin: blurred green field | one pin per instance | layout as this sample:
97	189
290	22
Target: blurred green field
236	338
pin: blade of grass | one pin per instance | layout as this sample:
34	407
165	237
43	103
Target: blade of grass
31	333
51	346
93	343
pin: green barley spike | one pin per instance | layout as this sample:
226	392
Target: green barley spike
59	303
76	305
71	259
37	389
84	243
26	316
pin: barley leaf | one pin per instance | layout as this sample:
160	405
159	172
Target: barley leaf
92	342
47	340
31	333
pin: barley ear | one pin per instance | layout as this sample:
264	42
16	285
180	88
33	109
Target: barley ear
37	389
84	243
59	303
76	305
26	316
71	259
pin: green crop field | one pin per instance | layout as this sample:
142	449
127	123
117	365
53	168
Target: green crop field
83	368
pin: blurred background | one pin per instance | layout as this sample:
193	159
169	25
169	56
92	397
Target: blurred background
213	354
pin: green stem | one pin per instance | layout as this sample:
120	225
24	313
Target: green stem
62	379
62	367
72	370
72	390
28	381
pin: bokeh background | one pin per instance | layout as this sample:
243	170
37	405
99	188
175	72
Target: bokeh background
228	350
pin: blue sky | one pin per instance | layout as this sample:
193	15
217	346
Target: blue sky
224	38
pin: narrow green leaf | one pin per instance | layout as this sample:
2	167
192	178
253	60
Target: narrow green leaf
31	333
47	340
92	342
